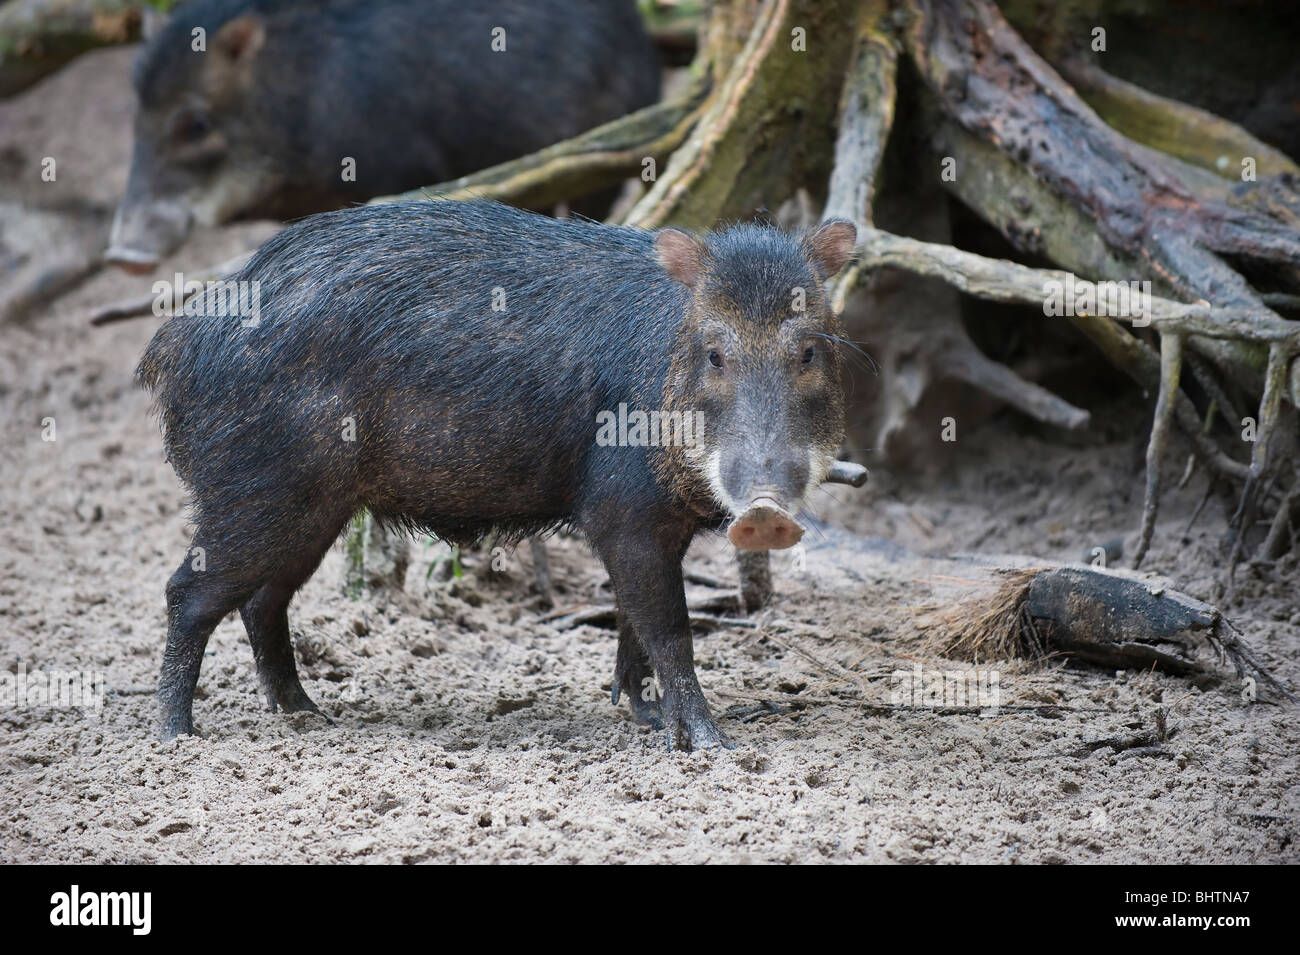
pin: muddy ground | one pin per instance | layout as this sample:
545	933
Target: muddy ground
466	728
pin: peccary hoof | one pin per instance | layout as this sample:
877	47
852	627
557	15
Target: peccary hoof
765	525
172	725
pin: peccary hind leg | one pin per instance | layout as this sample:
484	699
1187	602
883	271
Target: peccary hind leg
260	582
196	602
266	618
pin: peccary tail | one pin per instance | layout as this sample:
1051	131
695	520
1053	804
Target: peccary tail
156	374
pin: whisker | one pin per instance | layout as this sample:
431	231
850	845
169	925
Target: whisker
865	362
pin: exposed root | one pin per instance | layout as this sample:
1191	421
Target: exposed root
866	118
601	157
1172	127
1004	281
1171	365
768	128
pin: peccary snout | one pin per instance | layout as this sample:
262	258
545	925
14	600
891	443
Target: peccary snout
144	231
763	488
764	525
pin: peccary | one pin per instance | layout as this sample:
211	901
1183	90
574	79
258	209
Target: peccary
296	106
456	368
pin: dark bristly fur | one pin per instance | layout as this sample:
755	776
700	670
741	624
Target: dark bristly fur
412	91
470	418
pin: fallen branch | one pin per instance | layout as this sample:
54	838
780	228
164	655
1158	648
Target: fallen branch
139	305
801	700
605	616
1095	616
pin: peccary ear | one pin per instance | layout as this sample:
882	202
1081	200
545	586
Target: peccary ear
240	39
830	247
681	254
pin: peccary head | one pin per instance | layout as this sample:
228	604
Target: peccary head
196	157
756	358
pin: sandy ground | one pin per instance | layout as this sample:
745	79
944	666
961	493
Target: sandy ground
467	729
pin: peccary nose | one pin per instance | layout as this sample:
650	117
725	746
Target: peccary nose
764	525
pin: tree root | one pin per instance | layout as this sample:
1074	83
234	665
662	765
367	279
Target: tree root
768	129
995	96
601	157
1174	128
1009	282
865	120
1171	365
866	117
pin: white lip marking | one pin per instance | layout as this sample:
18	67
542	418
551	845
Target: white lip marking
819	465
713	471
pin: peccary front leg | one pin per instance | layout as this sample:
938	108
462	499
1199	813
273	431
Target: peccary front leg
650	591
635	676
542	571
755	578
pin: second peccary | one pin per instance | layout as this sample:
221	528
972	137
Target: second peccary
296	106
463	367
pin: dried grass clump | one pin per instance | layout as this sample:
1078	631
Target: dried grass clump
989	626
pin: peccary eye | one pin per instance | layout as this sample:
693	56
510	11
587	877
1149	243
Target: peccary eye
715	359
808	354
191	126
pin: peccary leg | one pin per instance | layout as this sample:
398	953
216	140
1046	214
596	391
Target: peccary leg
755	578
196	602
542	570
634	675
266	618
648	585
